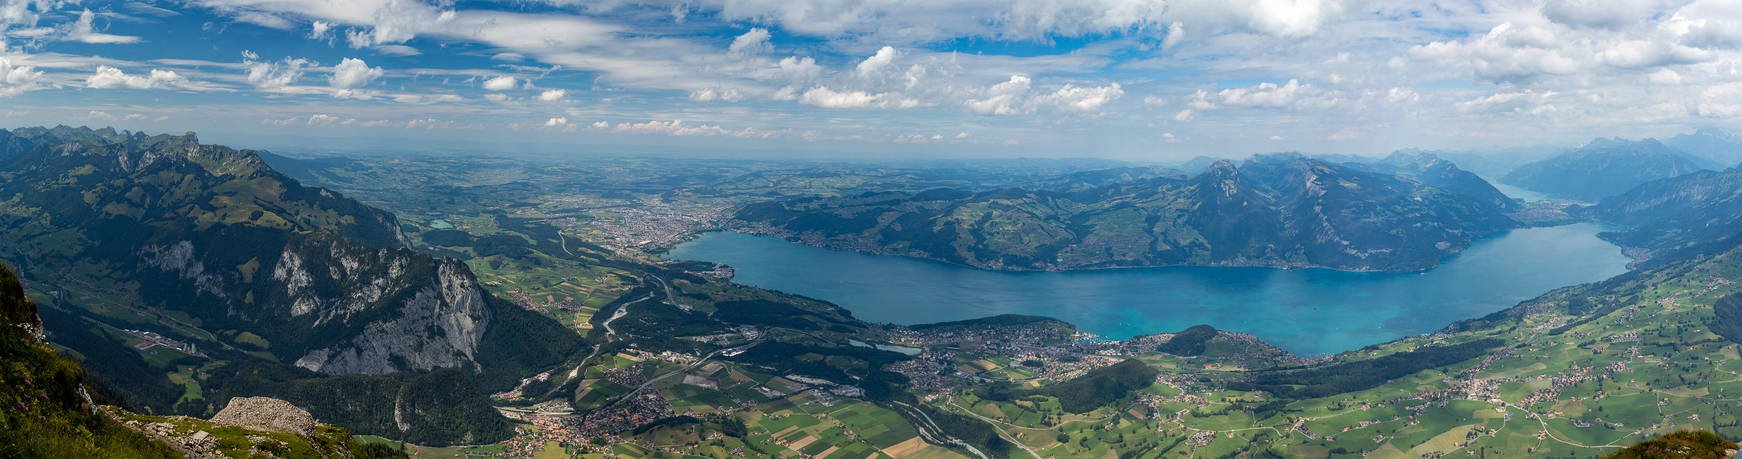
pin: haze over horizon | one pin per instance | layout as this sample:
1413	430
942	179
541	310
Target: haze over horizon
1125	79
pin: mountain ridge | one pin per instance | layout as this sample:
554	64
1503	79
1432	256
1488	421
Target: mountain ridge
1223	216
205	244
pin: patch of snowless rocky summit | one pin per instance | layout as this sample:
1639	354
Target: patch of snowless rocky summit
263	413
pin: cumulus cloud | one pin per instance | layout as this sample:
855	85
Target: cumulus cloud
1506	53
753	42
1003	98
828	98
557	121
1015	97
273	74
1290	95
322	119
353	73
1721	101
320	30
1084	99
1664	77
109	77
18	79
1649	53
870	65
501	83
552	95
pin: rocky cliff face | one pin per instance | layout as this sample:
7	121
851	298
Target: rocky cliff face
447	320
165	223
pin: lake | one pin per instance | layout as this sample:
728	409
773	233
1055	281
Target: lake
1306	311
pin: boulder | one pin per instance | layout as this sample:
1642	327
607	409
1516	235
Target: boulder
263	413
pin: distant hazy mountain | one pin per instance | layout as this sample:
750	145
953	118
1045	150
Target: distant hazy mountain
208	246
1431	170
1276	210
1676	212
1603	168
1496	163
1078	181
1722	148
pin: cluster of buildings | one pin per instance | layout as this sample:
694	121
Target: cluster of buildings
152	339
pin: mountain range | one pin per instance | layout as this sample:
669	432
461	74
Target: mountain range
1675	213
1273	210
260	284
1603	168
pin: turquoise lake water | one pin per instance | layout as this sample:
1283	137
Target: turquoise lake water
1306	311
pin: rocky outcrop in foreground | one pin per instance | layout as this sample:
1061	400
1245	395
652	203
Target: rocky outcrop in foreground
251	427
263	413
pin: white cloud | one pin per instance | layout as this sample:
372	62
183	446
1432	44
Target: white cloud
109	77
1664	77
920	21
1527	101
1507	53
710	95
353	73
1183	115
883	58
552	95
84	30
1721	101
1398	95
273	74
397	50
427	98
1003	98
322	119
1084	99
268	121
1015	97
18	79
501	83
678	128
753	42
1262	95
800	69
827	98
1176	33
1607	14
558	121
1647	53
320	30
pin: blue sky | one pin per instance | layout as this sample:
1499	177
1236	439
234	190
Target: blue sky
1128	79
